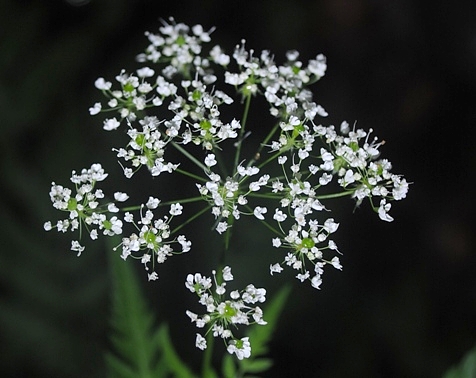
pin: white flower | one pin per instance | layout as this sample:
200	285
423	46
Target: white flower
210	160
276	242
325	179
259	211
112	208
102	84
200	342
145	72
76	247
128	217
248	171
221	227
282	160
321	111
193	317
302	277
152	276
383	211
227	276
332	245
93	234
197	283
330	226
316	282
279	216
95	109
275	268
116	225
220	289
176	209
152	203
336	263
400	189
241	348
111	124
121	197
186	244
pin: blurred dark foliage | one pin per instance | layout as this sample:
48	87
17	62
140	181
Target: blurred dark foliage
405	303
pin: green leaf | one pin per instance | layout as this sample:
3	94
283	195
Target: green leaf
136	350
260	335
228	366
171	359
257	365
117	367
210	373
466	368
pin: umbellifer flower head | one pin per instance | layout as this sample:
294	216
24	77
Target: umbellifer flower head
223	315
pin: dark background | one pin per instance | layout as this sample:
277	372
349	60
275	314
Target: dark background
405	303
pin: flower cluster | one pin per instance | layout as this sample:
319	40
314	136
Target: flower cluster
150	243
223	315
227	195
181	98
85	208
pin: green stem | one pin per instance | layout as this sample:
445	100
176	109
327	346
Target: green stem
262	195
242	131
274	156
193	217
263	144
271	228
221	162
130	208
231	220
189	156
194	176
207	356
334	195
184	200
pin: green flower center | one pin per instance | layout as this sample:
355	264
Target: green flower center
205	124
128	87
298	129
196	95
339	163
107	224
140	140
150	237
229	311
180	40
354	146
72	204
307	243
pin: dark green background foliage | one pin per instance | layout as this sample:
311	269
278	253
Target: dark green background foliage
405	303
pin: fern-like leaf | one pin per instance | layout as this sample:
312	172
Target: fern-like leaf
259	339
136	350
466	368
170	359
